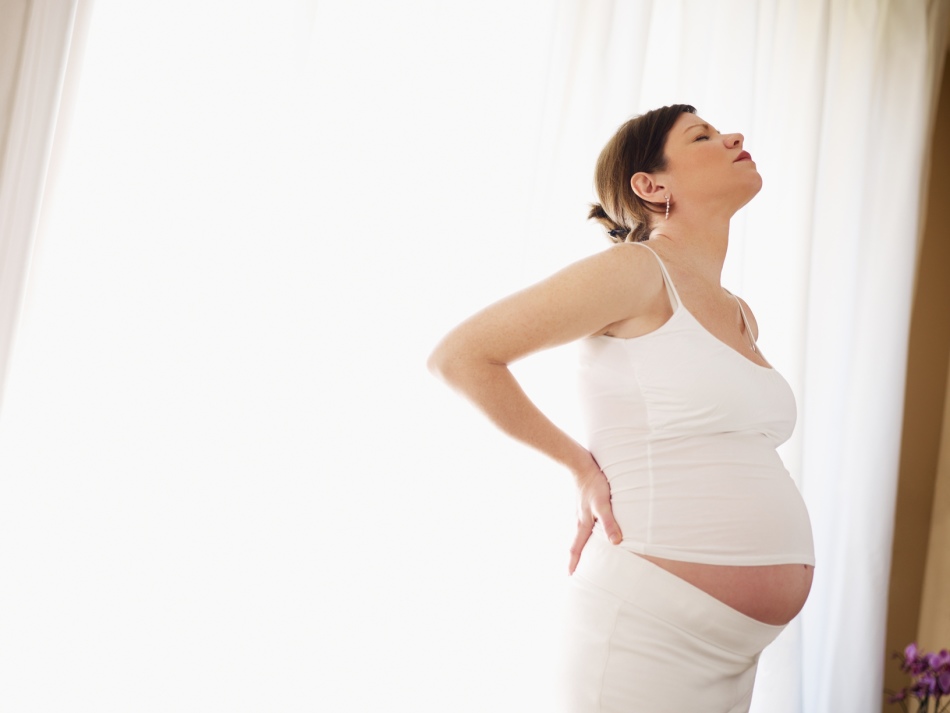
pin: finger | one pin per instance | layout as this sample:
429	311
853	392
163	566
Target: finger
583	535
612	529
605	514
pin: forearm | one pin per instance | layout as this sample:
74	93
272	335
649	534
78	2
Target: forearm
494	390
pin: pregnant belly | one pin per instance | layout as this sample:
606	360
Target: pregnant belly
772	594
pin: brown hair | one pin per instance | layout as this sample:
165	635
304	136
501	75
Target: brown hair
637	146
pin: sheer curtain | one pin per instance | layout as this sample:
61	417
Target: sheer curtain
36	39
835	100
228	481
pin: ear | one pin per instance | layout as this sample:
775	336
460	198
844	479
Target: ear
648	187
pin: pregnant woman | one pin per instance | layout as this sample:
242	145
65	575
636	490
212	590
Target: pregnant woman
693	546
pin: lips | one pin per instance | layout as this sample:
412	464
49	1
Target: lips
744	156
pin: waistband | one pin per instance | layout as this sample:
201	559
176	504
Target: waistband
677	602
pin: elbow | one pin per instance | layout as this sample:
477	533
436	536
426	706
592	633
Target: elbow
440	363
435	363
454	363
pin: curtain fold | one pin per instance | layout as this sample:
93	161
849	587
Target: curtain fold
835	99
41	31
877	110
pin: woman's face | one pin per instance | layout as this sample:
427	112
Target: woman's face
704	165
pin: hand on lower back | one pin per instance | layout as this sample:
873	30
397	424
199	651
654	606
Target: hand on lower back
593	504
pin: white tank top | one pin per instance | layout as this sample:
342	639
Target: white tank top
686	430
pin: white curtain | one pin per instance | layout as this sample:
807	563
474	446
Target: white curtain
36	37
835	100
228	481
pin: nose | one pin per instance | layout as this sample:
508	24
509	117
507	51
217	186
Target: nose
734	140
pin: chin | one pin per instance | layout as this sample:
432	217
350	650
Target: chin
751	192
755	185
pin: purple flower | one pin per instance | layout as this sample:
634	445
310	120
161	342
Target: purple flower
898	697
929	676
915	662
927	684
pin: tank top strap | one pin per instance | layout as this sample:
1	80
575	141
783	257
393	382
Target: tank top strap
745	321
668	281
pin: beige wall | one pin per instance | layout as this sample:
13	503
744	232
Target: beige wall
934	629
919	611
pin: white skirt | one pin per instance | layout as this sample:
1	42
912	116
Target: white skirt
642	640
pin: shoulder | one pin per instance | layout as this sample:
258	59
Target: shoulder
632	253
612	284
580	300
627	264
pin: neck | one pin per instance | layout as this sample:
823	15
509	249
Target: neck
697	242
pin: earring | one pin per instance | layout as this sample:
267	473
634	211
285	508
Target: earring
667	207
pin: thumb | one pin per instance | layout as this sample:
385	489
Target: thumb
611	527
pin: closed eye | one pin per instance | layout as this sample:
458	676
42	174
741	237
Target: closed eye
706	131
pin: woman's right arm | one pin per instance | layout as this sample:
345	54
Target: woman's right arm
585	298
